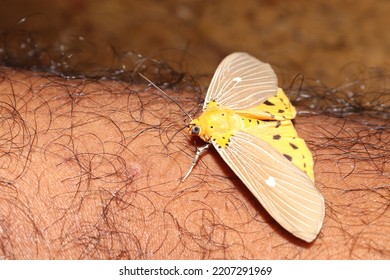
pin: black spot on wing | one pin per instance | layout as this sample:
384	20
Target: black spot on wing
278	123
269	103
293	146
276	137
288	157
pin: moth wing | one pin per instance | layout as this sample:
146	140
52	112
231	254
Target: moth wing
241	82
284	138
276	107
284	190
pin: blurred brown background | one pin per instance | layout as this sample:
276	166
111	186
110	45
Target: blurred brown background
320	39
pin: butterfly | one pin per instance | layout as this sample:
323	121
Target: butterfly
248	120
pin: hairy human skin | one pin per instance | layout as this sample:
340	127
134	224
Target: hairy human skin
91	170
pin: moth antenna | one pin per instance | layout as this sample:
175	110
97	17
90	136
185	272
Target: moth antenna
163	92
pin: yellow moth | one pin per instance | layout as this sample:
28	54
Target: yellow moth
247	118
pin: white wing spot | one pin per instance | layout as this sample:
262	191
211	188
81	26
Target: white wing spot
271	182
237	79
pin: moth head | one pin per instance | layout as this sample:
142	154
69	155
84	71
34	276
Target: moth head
194	128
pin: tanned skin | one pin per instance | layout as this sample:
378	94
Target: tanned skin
91	170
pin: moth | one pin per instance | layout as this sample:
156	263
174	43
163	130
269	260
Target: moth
248	120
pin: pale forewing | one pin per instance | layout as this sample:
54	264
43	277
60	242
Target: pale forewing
241	82
285	191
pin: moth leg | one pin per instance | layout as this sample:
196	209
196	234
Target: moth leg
199	152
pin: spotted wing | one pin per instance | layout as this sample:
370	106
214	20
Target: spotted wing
284	190
283	137
241	82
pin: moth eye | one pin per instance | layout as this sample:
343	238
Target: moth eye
195	130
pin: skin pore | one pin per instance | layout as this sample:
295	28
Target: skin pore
91	169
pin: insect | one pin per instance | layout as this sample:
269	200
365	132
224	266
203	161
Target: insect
248	120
